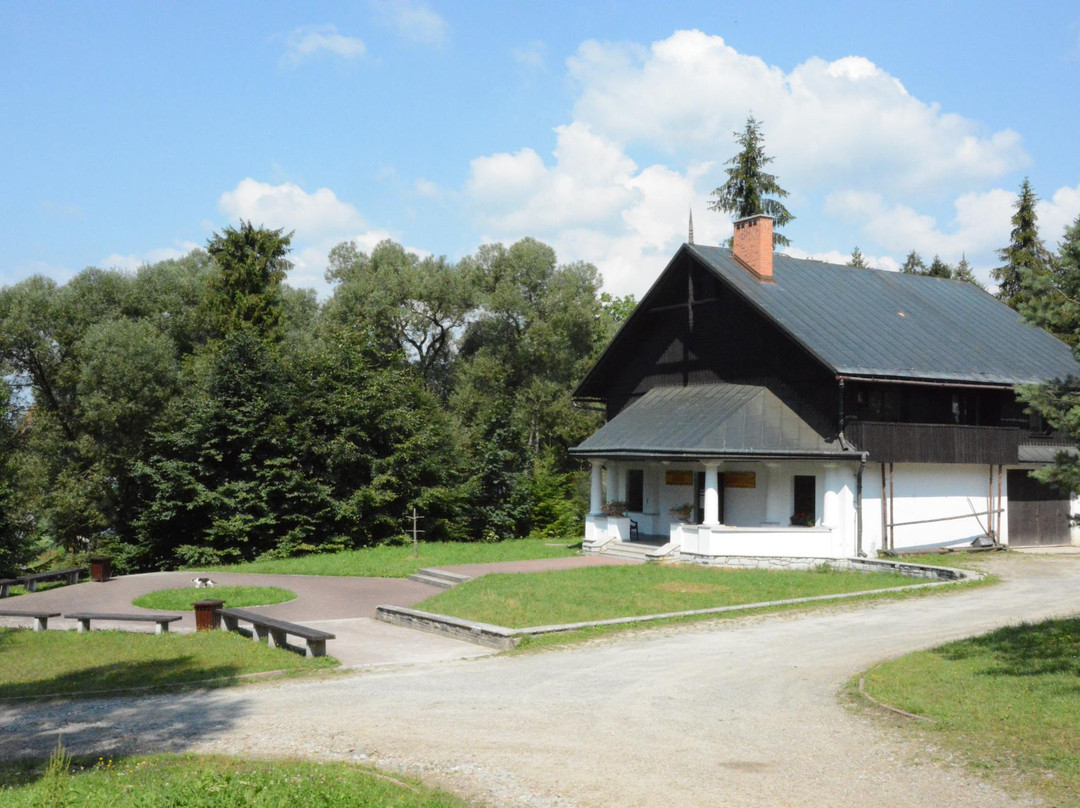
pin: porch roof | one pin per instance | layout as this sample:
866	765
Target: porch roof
714	420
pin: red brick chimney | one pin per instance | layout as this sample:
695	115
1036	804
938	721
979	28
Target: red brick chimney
752	245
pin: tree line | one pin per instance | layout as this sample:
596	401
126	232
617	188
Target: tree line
201	411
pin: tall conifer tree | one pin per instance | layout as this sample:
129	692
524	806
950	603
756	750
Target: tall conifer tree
913	264
749	186
1052	299
1025	255
939	269
964	272
857	259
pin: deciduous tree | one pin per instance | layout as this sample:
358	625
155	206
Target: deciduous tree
414	305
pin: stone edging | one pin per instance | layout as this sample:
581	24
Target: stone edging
503	638
883	706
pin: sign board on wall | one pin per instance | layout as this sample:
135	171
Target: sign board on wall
740	479
678	478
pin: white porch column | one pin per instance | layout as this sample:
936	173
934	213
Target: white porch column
777	484
596	491
712	494
839	510
615	485
830	512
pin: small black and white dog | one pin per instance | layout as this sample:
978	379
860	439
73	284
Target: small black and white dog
203	583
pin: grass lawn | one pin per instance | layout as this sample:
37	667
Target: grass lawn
960	559
66	662
397	561
235	597
600	593
1008	701
211	782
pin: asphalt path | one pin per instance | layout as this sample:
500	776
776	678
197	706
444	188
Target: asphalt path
741	712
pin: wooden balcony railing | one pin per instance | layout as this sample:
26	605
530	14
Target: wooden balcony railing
936	443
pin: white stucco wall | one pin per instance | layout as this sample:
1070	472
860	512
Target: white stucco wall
768	504
929	491
922	491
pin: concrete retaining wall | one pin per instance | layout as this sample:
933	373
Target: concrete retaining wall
505	638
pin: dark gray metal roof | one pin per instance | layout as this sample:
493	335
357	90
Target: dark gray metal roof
715	420
866	322
1044	453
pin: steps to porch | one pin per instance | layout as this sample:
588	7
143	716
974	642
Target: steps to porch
636	550
440	578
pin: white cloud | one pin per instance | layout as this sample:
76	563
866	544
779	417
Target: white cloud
319	222
589	184
1057	213
977	226
309	41
64	210
291	207
845	123
531	55
886	262
593	204
980	225
132	261
426	188
866	162
413	20
58	272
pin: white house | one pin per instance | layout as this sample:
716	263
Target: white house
792	408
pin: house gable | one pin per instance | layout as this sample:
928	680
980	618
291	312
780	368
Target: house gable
694	328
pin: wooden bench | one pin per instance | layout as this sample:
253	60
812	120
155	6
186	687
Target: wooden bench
41	619
70	576
275	631
162	620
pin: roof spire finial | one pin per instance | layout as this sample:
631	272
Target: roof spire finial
691	225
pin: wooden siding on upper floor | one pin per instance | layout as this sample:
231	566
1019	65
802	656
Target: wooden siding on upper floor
692	329
936	443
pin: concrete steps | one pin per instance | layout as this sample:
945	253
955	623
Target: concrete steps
628	549
440	578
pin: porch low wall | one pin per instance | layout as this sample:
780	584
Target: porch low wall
600	529
768	542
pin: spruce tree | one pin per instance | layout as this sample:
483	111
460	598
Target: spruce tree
1051	299
913	264
245	290
1025	258
963	272
857	260
939	269
748	186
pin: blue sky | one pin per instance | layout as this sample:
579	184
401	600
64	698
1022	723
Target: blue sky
132	130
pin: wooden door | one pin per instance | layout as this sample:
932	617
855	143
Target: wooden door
1038	513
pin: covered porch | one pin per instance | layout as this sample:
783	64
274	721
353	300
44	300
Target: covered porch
721	470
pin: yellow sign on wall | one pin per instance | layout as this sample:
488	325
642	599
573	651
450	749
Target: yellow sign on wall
678	478
740	479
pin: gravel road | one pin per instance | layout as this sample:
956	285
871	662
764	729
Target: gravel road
733	713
